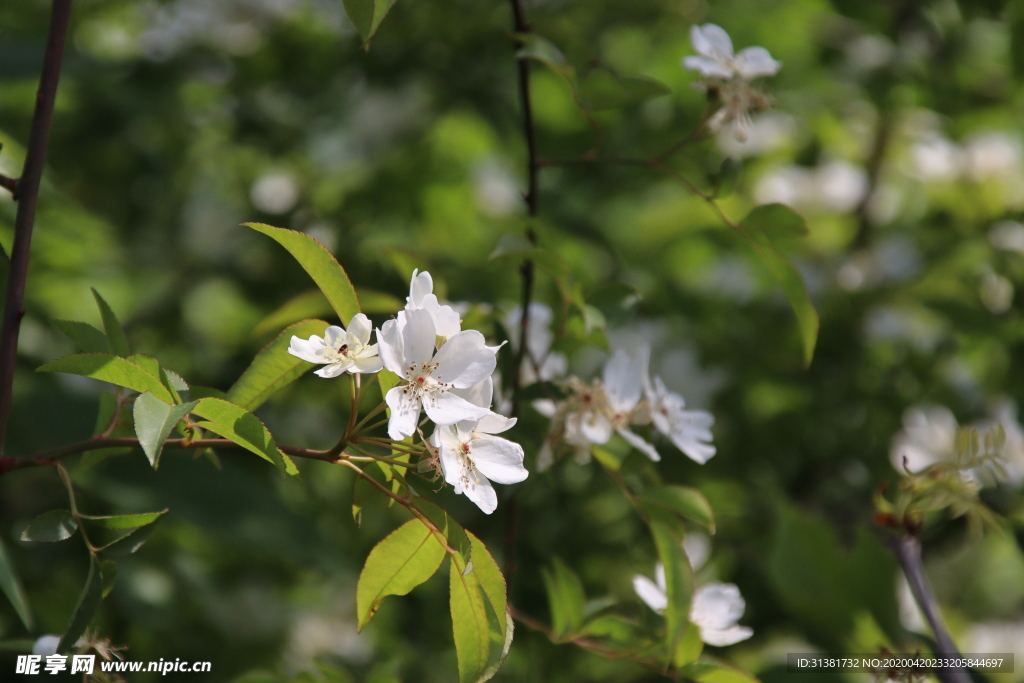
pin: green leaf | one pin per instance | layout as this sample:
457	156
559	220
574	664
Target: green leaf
367	496
566	598
367	15
154	420
516	246
125	521
127	543
321	265
544	51
792	284
273	367
728	177
775	220
601	89
239	425
374	301
403	560
678	583
387	381
709	671
85	610
111	369
108	573
49	527
492	582
10	584
115	333
685	502
469	622
85	336
309	304
689	648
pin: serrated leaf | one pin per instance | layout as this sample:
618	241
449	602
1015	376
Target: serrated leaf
125	521
678	584
108	574
566	598
492	582
84	335
792	283
85	610
469	623
274	368
10	584
320	264
403	560
50	527
685	502
245	429
154	420
367	15
544	51
118	342
109	368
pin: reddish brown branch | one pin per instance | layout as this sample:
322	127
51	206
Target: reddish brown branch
27	195
9	184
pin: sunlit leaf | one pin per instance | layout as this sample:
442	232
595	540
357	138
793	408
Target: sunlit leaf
118	342
708	671
109	368
125	521
304	306
367	15
566	598
245	429
320	264
274	368
51	526
84	335
154	420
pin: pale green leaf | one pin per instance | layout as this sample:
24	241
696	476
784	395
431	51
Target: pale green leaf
85	610
492	583
51	526
566	598
544	51
10	584
108	574
154	420
685	502
401	561
308	304
469	623
273	367
320	264
678	584
109	368
775	220
115	333
242	427
367	15
85	336
125	521
709	671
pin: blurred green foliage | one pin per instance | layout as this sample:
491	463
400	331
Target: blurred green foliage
896	134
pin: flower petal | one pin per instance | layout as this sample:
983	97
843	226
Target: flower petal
717	606
639	443
310	350
707	67
420	286
332	334
418	336
478	394
594	427
391	349
727	636
360	328
482	493
405	412
446	409
500	460
448	321
756	61
367	364
711	41
493	423
695	450
623	380
464	360
655	598
334	369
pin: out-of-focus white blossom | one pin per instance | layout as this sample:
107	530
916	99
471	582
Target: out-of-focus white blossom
689	430
46	645
716	58
929	436
340	350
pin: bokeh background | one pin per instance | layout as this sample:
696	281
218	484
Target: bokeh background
897	133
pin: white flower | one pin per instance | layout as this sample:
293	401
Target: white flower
421	297
46	645
541	363
717	60
689	430
715	609
929	436
432	380
623	382
341	351
471	455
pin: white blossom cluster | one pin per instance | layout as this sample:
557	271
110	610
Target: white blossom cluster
729	76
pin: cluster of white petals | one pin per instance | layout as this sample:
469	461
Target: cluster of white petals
730	76
625	396
715	608
340	350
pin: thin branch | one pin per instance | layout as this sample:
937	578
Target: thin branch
879	147
907	550
9	184
27	196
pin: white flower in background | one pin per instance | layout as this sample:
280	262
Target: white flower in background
929	436
471	454
1004	415
340	350
697	547
689	430
715	609
447	321
542	364
716	58
46	645
584	419
623	382
432	379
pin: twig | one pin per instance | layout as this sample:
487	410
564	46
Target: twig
27	195
9	184
907	550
